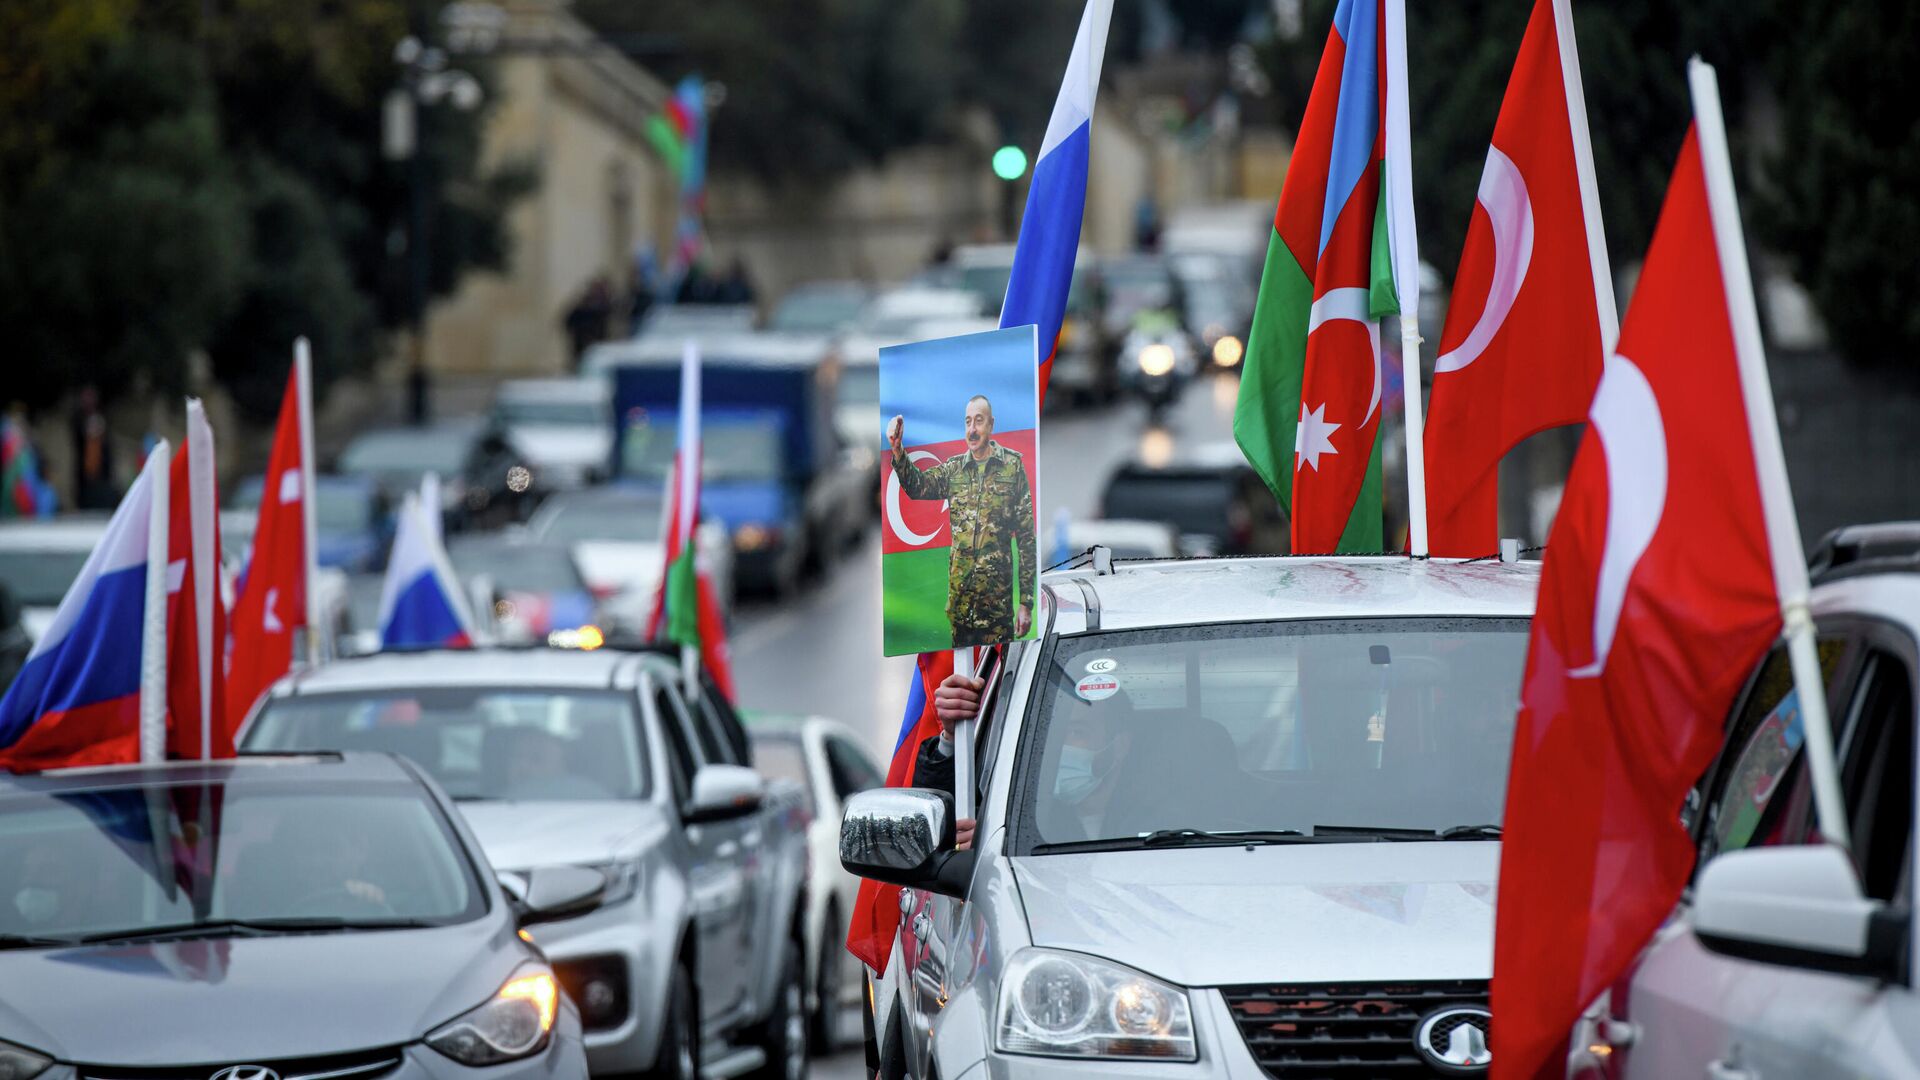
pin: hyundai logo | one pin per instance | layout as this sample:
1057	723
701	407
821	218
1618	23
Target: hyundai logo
1453	1040
245	1072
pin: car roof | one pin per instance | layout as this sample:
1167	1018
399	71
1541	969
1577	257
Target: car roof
540	668
778	350
1178	592
76	532
553	389
328	766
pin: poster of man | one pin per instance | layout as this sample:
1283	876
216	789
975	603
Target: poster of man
959	539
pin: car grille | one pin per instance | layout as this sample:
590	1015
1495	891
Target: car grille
360	1065
1346	1031
598	987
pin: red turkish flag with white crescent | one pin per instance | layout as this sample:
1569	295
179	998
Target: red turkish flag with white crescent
1657	598
273	599
1522	347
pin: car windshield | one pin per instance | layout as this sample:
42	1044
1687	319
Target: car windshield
119	861
562	413
400	458
341	507
817	311
527	568
1196	501
40	578
779	757
478	742
1313	724
600	519
732	448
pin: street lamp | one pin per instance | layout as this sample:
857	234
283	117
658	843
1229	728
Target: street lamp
425	79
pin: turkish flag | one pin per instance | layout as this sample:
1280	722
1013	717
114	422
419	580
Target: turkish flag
273	600
196	614
1522	347
1657	598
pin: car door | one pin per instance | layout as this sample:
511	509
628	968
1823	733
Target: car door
1698	1013
744	843
715	882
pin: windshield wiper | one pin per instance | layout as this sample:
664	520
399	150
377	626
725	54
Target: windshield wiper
1176	838
27	941
261	927
1452	832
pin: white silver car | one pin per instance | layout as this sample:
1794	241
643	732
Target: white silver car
827	760
1236	818
1790	959
40	557
561	427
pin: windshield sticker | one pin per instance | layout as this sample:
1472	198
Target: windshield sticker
1097	687
1105	665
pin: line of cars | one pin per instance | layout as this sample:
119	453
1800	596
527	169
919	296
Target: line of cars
1241	818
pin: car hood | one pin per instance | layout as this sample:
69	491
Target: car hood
1221	916
233	1000
522	835
618	564
562	444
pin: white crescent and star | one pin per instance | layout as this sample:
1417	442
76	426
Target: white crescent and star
1503	194
1626	417
894	517
1350	303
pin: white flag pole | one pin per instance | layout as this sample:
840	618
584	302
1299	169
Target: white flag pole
303	368
963	666
153	623
206	566
1601	266
1405	247
687	499
1776	496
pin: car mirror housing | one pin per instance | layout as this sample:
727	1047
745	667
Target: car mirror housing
1797	906
558	892
721	792
904	836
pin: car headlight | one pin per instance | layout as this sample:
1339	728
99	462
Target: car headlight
1157	358
755	537
512	1024
623	880
1228	351
20	1063
1061	1004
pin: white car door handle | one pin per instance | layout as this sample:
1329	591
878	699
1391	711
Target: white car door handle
1725	1070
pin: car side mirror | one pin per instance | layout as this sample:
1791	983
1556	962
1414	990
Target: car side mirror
1798	906
904	836
554	892
721	792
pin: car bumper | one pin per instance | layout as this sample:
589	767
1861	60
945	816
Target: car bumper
563	1059
1223	1056
619	946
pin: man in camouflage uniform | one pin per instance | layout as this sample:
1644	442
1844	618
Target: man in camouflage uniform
990	505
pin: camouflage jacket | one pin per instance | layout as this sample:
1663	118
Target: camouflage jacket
990	505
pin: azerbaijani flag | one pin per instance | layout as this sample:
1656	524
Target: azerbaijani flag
686	602
1057	196
1308	414
922	382
22	492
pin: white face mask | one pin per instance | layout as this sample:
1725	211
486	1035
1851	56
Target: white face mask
1076	778
36	904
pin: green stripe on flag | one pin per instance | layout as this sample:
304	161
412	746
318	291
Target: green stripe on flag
1268	409
1382	297
914	618
683	601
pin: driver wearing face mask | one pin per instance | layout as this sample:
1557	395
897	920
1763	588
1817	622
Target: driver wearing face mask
1096	739
51	891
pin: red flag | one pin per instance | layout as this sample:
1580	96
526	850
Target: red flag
1657	597
876	911
1532	311
197	723
273	600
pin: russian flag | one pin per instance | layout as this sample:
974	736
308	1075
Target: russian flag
79	698
420	604
1057	196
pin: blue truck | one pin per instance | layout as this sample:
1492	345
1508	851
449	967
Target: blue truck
775	472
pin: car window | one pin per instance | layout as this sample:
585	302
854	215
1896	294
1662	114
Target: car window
1877	773
780	757
1399	723
681	761
850	769
131	858
531	743
733	742
1757	798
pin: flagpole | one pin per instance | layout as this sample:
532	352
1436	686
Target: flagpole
153	623
200	527
1776	495
963	666
1601	267
1405	242
303	369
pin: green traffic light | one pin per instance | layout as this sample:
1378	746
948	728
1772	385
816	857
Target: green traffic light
1009	163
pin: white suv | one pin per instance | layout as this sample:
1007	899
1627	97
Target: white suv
1237	818
1790	959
